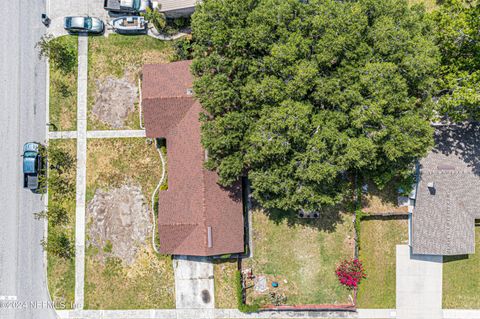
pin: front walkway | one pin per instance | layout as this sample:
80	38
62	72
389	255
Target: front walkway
97	134
81	170
419	285
194	287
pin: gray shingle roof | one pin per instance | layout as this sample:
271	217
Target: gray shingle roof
444	216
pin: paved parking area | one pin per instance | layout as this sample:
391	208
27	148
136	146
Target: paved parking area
58	9
419	285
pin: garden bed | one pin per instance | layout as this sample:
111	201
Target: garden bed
63	91
461	284
61	270
115	64
301	256
377	253
122	270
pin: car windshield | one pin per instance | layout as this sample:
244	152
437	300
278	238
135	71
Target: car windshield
30	154
136	4
88	23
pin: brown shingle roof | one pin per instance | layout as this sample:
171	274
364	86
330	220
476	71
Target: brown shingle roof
194	201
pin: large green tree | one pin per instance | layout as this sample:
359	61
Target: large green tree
457	24
303	94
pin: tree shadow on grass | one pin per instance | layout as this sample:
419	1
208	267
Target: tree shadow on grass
327	221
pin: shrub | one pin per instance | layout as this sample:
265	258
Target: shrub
359	214
156	18
59	159
350	273
56	214
59	244
58	52
239	292
183	49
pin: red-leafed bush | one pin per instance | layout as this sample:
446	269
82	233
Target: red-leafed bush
350	273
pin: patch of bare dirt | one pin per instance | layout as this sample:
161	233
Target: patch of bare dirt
119	222
115	100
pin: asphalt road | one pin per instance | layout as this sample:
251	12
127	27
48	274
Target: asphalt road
22	119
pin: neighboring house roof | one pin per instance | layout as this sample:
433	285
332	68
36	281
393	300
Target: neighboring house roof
444	215
172	5
196	215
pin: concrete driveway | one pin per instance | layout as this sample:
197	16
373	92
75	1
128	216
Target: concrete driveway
419	285
194	287
58	9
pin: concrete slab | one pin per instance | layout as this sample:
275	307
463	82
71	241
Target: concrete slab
461	314
419	285
116	134
81	171
194	286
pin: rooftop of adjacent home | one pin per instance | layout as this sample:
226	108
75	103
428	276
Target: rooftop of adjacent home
448	193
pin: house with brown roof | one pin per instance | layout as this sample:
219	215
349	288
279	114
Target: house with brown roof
448	193
197	216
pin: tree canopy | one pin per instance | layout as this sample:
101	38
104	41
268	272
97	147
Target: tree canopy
303	94
457	24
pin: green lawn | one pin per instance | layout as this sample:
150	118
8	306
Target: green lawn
301	255
61	271
63	93
461	283
114	161
121	56
224	274
148	282
377	252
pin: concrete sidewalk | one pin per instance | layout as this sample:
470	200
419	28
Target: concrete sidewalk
56	135
200	313
81	171
116	133
419	285
97	134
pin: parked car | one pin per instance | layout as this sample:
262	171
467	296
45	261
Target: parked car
32	165
127	6
129	24
83	24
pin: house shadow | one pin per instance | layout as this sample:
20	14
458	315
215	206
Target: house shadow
448	259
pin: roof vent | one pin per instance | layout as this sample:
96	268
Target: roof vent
209	237
189	91
431	188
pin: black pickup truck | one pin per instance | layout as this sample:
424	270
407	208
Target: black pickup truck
126	6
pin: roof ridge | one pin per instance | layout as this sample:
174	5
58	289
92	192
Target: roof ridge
204	204
169	97
448	222
178	224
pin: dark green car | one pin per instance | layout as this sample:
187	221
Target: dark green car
83	25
